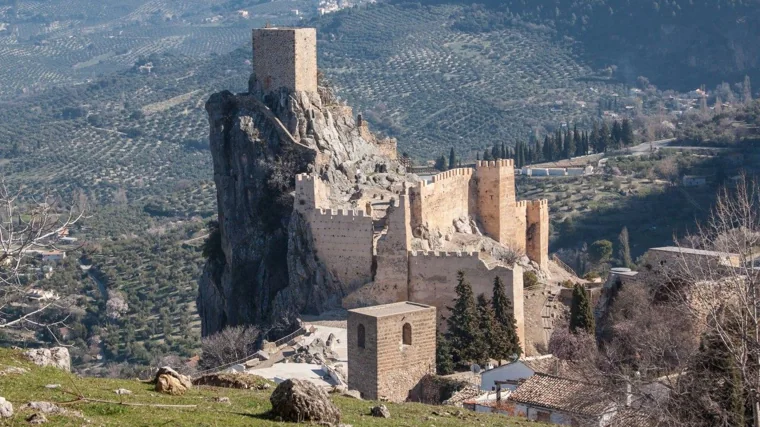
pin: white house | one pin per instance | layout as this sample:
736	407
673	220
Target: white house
509	376
694	181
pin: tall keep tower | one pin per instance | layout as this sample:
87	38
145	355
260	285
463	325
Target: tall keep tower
497	205
285	58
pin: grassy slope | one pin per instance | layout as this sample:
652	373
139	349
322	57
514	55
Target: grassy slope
247	408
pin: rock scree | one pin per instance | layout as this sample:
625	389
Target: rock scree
302	401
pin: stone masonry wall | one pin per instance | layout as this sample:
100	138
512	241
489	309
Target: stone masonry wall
449	196
343	241
392	276
311	193
363	376
496	202
400	367
521	225
285	57
433	279
537	240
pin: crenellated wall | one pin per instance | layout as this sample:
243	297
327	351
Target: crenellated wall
311	193
537	236
433	279
449	195
521	224
343	241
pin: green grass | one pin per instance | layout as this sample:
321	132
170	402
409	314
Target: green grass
248	407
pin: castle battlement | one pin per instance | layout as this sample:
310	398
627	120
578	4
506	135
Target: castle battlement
439	254
539	203
359	213
522	204
504	163
452	173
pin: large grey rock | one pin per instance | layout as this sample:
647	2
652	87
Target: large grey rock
302	401
57	357
6	408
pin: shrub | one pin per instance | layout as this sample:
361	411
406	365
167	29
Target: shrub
231	345
530	280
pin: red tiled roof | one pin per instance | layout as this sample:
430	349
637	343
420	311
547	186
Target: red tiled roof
562	394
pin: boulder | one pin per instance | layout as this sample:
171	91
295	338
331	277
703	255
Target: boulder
168	384
36	418
6	408
57	357
380	411
169	381
299	400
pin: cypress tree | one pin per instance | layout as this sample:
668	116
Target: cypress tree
509	344
504	152
486	154
495	152
538	151
624	248
452	159
594	139
617	134
463	322
604	138
627	130
547	149
581	315
577	141
444	362
486	342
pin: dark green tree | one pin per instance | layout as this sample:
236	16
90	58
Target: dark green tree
452	159
440	163
617	134
508	346
604	138
463	322
496	152
444	362
581	314
486	342
624	248
600	251
628	138
487	155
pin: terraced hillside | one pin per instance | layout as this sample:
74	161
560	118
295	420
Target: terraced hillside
65	42
434	87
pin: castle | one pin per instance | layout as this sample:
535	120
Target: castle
371	252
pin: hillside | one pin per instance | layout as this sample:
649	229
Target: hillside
246	407
677	44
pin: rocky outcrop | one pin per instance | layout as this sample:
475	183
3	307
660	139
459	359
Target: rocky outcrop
301	401
266	270
57	357
6	408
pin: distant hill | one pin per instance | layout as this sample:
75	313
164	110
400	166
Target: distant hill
679	44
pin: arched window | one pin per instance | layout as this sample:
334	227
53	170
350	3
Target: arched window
360	336
406	333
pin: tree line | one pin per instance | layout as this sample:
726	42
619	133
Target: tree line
558	146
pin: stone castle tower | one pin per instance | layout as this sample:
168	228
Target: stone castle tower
285	58
390	348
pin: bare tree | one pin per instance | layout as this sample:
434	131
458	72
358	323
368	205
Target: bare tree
27	228
231	345
725	291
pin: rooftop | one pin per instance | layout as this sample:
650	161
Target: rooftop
391	309
690	251
561	394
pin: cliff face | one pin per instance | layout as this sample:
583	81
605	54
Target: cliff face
269	271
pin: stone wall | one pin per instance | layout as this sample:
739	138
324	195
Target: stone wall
285	58
449	196
343	241
387	366
537	240
364	376
392	276
401	367
521	226
496	201
433	279
311	193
